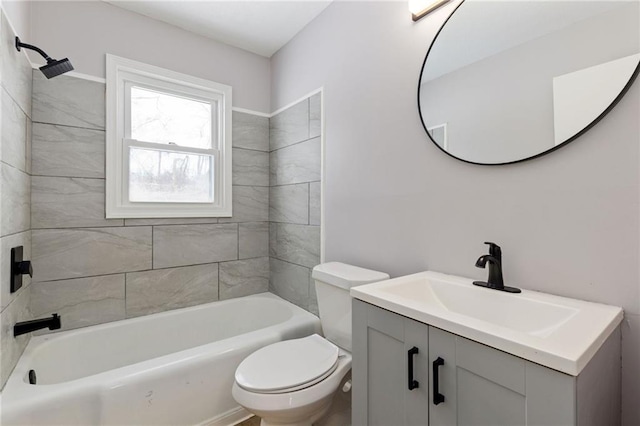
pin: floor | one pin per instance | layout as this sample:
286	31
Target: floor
253	421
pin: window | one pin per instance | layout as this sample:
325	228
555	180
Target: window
168	143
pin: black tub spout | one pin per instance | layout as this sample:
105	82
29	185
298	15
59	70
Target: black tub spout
52	323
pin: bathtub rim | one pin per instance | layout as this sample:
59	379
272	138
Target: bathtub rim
18	392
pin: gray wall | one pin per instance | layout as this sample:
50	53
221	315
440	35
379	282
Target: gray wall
569	222
500	109
85	30
93	270
294	201
15	185
18	13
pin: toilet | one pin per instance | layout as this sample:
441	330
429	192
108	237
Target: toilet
293	382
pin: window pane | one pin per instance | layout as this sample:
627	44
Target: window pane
161	176
163	118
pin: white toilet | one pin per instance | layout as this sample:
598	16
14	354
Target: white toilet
293	382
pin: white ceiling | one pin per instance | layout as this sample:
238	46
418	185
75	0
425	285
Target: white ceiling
259	26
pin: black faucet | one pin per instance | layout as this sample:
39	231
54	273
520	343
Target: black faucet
52	323
495	280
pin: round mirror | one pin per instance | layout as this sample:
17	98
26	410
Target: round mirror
506	81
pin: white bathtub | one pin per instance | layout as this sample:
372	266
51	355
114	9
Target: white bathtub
173	368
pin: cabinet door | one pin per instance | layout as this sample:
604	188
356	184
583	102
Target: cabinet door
382	354
485	386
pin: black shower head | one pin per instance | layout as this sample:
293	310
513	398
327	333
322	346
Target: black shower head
54	67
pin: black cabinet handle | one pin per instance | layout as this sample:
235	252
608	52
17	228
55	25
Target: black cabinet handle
413	384
437	396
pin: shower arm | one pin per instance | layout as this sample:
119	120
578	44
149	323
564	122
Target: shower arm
53	67
20	44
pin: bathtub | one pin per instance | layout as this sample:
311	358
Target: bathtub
172	368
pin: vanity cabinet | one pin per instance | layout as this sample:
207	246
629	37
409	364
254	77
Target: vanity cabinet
485	386
479	385
382	349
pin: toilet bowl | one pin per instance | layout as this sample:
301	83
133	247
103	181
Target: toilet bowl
298	394
293	382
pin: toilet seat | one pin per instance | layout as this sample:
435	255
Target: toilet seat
288	366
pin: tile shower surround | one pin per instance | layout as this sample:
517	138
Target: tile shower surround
294	201
15	188
93	270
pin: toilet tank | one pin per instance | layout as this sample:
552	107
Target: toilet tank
333	281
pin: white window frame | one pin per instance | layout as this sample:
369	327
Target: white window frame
121	75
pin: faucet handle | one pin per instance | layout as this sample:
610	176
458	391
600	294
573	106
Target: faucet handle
494	250
25	267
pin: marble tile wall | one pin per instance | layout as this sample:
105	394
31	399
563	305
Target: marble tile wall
294	201
15	191
93	270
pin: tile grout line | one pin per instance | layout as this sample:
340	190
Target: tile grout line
293	184
26	134
126	313
146	270
16	168
253	186
218	280
28	143
13	234
16	297
68	125
70	228
296	224
250	149
230	261
294	144
89	276
309	203
308	100
152	245
292	263
167	224
17	103
68	177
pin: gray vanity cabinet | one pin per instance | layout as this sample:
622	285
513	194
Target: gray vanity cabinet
485	386
381	344
480	385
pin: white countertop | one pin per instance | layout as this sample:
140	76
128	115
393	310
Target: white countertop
557	332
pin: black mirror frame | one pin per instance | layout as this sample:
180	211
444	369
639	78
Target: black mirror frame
556	147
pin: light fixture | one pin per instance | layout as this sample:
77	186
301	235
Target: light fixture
420	8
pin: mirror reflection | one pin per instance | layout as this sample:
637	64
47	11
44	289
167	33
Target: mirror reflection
509	80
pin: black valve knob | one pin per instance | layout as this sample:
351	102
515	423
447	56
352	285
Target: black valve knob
24	268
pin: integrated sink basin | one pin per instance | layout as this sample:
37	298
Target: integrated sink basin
553	331
527	315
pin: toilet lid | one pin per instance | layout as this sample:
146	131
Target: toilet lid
288	365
